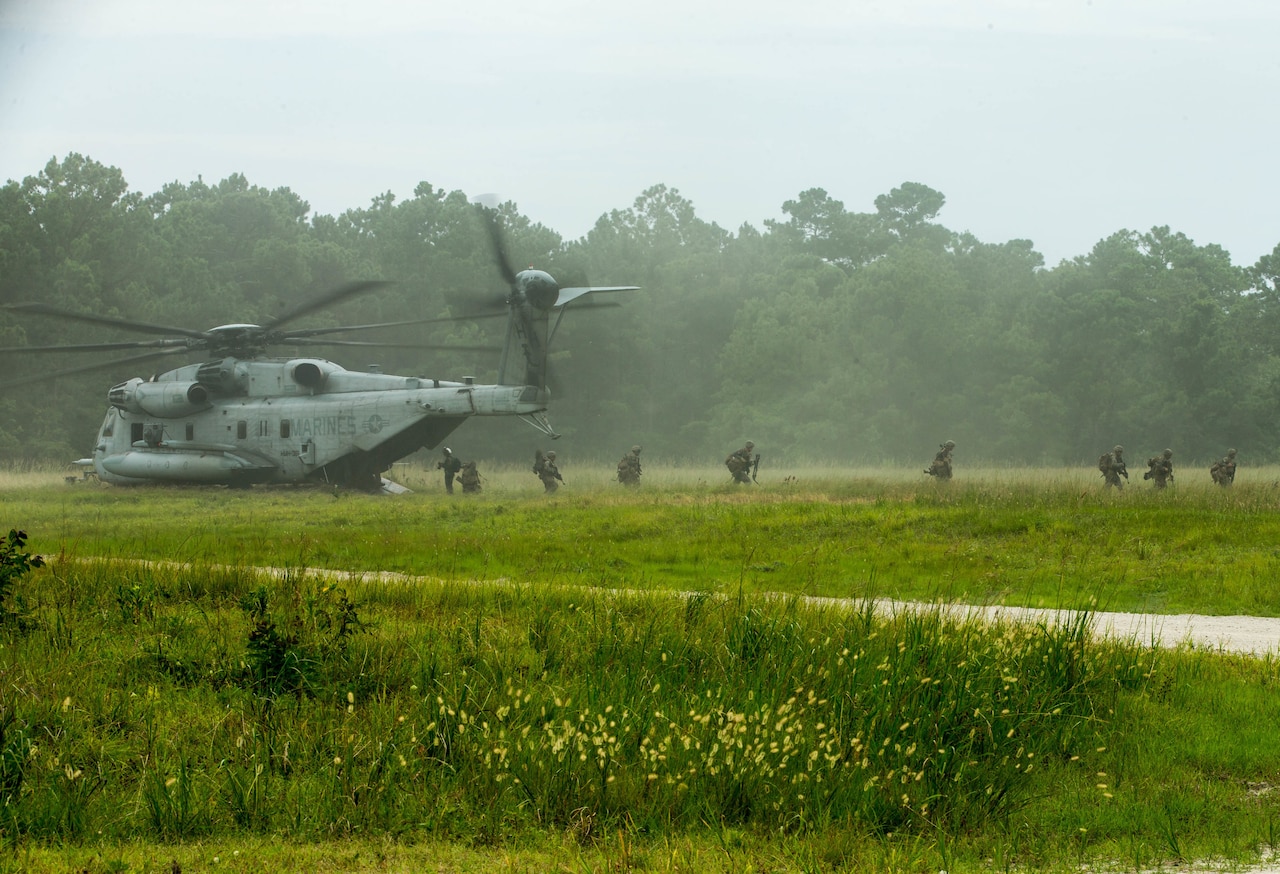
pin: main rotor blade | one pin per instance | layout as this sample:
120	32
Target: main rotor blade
99	347
497	240
127	324
330	298
309	341
99	366
288	336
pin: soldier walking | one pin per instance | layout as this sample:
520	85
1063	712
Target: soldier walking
629	468
941	467
470	478
1160	469
1112	466
1224	469
544	465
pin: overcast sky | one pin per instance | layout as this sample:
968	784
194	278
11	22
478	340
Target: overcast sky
1060	121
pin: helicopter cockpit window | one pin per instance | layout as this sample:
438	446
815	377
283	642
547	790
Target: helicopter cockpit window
242	429
284	428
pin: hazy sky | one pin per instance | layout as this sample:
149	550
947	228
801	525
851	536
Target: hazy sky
1059	121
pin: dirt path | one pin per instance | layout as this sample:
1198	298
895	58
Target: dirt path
1250	635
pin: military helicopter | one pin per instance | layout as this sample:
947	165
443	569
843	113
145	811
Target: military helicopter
241	417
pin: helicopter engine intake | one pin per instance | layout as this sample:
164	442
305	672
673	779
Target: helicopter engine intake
308	374
164	400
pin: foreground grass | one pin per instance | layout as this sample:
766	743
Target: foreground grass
1024	538
158	715
153	715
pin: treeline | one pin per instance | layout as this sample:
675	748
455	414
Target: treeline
833	335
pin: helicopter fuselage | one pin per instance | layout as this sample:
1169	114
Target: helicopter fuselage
287	420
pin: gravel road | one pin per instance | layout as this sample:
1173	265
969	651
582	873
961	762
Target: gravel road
1251	635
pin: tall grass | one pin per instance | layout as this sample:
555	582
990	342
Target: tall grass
175	703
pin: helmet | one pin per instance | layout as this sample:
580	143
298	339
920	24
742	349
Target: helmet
1168	453
448	451
635	449
1231	452
950	444
750	445
1118	449
551	453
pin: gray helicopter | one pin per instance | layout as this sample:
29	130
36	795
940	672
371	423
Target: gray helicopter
240	417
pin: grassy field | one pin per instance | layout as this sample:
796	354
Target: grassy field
212	716
1023	538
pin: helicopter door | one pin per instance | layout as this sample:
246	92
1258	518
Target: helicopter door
308	452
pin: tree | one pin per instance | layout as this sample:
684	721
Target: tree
907	213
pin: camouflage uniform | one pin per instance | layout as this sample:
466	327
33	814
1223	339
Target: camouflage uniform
941	467
1113	467
629	468
739	463
1160	469
545	467
1224	470
470	478
450	465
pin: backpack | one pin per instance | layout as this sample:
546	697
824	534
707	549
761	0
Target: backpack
1104	462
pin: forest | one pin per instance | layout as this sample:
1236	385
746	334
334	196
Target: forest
833	336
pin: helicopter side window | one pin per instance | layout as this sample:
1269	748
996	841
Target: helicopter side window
242	429
264	428
135	432
284	428
191	430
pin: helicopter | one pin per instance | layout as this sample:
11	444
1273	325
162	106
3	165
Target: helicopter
241	417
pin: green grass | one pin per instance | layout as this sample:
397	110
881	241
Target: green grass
581	716
1047	539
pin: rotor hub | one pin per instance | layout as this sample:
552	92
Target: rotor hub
538	288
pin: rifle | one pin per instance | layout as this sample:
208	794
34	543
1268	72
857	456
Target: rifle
755	469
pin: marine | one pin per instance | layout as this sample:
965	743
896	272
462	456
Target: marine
544	465
743	463
1160	469
1112	466
450	465
941	467
629	468
1224	469
470	478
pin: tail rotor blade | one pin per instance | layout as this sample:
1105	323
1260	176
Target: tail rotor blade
497	241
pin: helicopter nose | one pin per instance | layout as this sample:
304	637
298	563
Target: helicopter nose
538	287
